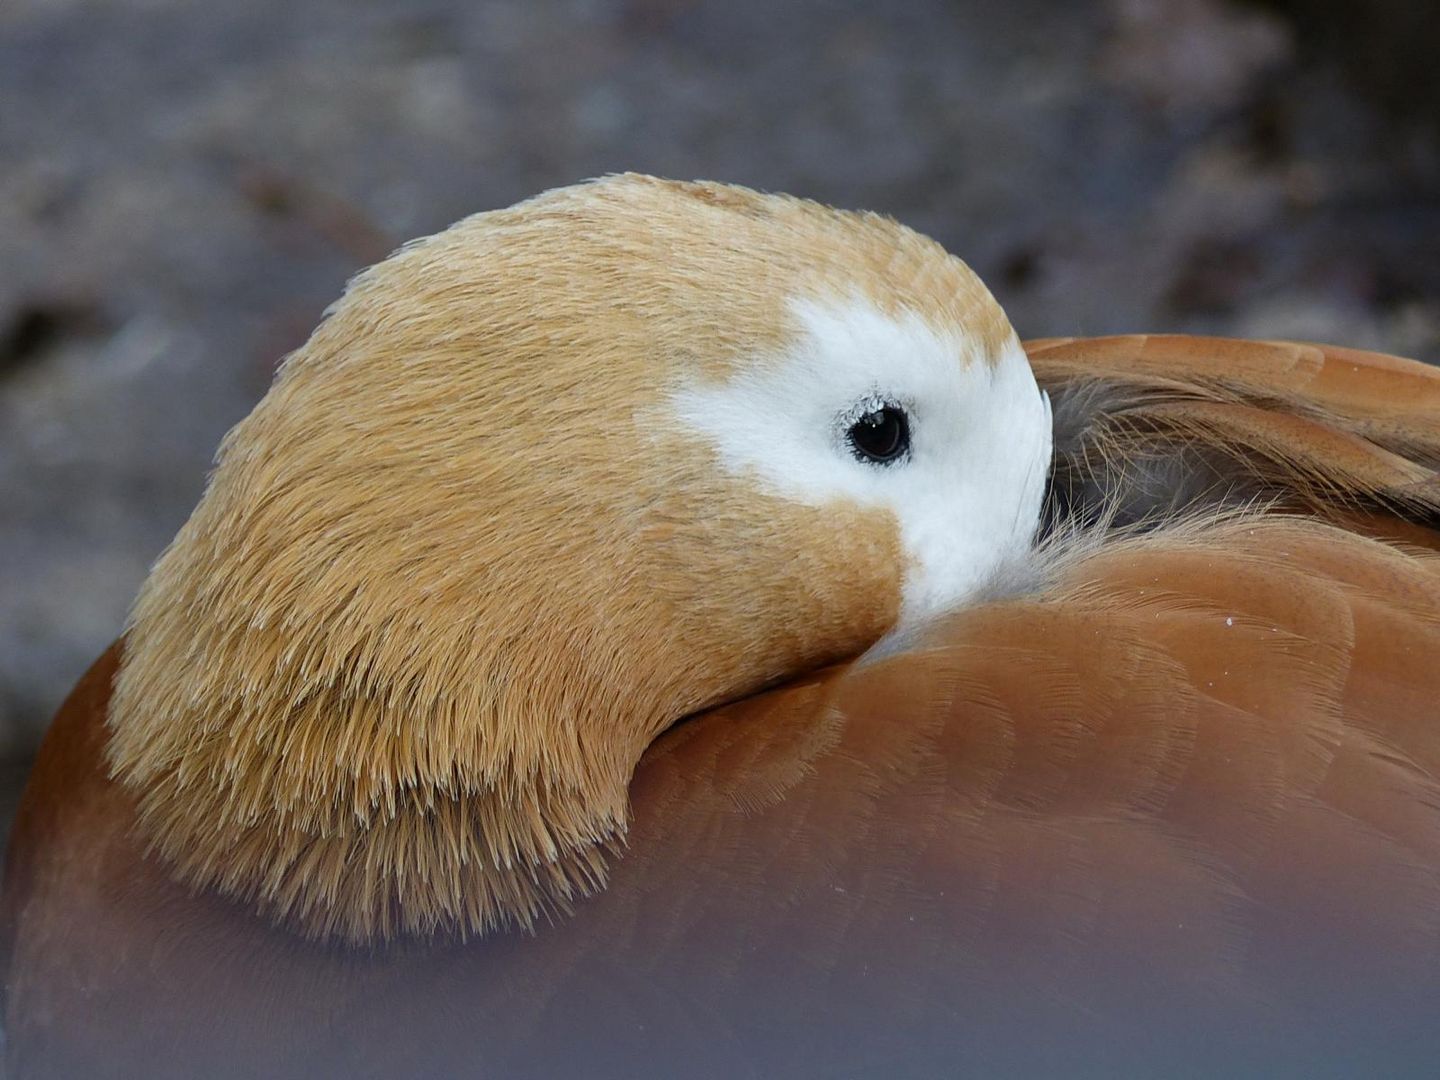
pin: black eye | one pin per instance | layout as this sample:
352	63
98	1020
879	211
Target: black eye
881	435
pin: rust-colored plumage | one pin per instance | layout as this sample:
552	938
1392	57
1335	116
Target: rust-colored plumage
1169	805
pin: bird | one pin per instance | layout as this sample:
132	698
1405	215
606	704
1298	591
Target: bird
663	629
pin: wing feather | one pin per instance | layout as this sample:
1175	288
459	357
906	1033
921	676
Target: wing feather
1149	426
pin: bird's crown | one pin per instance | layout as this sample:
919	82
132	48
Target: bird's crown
537	487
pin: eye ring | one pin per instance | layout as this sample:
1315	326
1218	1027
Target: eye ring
881	436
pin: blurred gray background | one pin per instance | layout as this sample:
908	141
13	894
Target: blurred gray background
185	185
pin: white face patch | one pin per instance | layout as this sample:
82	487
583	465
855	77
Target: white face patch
967	493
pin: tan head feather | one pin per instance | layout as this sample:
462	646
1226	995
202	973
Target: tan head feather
451	576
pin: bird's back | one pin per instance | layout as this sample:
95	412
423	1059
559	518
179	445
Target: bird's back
1169	806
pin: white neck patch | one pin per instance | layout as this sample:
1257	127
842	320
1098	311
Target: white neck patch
968	494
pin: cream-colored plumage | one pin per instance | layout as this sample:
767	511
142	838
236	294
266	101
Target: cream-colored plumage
1159	797
451	577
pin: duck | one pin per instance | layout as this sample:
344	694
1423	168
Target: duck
664	629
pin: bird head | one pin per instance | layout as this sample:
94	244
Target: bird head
537	487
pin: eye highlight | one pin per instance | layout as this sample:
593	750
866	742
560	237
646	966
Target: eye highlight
880	436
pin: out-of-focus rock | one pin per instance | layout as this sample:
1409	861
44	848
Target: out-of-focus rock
1386	47
1192	55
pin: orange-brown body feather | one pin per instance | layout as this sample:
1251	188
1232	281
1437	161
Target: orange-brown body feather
1176	811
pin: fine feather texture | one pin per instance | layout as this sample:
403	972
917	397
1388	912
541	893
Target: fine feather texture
1161	797
1177	813
1148	426
451	577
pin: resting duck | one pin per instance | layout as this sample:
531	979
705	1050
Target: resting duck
663	629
